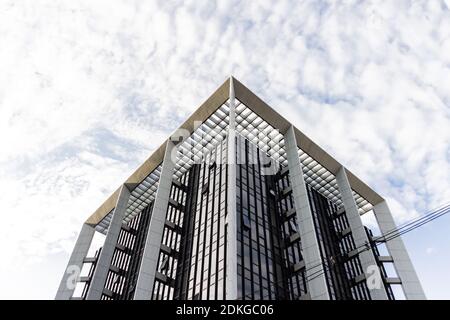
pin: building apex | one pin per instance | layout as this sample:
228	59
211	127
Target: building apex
232	87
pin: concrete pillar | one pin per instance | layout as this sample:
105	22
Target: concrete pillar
149	263
231	291
359	234
75	264
317	286
104	260
402	263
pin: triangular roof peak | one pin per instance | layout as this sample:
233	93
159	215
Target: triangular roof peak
263	110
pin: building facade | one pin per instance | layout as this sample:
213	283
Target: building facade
240	204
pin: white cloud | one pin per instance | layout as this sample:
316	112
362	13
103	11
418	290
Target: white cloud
89	88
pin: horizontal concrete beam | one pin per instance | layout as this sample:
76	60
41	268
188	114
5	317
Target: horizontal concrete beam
393	281
385	259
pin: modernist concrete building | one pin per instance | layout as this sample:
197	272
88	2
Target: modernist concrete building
239	204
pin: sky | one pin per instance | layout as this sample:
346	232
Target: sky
88	89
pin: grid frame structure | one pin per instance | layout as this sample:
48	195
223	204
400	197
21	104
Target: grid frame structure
210	133
214	112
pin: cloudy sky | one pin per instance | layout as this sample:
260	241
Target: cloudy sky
89	88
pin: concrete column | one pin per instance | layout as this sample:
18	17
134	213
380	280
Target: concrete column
402	263
149	263
317	286
359	234
104	260
231	259
75	264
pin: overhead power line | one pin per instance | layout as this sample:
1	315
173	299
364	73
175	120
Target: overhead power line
395	233
388	236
